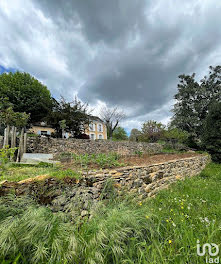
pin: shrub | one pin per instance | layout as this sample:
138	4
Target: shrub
211	136
102	160
6	154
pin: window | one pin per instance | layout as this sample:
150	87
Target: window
92	136
100	128
44	133
92	127
100	136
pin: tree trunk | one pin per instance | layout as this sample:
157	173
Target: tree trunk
21	146
63	133
6	136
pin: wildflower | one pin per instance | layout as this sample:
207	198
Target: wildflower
140	203
170	241
160	209
167	221
188	207
182	207
171	210
174	224
147	216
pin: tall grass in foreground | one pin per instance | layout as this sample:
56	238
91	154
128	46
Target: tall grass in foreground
160	230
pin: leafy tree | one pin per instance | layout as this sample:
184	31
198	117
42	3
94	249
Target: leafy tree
194	100
111	118
120	134
71	116
176	135
26	94
211	136
135	135
152	131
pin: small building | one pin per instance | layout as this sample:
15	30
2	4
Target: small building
41	129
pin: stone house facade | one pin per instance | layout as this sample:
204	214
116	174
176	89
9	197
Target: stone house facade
96	130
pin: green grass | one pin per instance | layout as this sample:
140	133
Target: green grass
102	160
164	229
20	172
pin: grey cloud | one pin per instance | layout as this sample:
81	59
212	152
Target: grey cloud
121	52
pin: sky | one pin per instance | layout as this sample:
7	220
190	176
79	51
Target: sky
124	53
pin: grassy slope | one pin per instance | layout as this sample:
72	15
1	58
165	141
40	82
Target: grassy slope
161	230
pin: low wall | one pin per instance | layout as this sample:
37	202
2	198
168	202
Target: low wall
81	146
72	195
147	180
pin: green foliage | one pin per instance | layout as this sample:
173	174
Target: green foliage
71	116
61	174
102	160
176	135
36	234
138	152
135	135
119	134
9	117
211	136
18	172
6	154
26	94
161	230
152	131
164	229
194	100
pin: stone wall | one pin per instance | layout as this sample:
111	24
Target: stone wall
79	197
148	180
81	146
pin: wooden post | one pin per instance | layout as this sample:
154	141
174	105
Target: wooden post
15	135
13	139
21	146
25	143
6	136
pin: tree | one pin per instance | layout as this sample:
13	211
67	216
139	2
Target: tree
111	117
211	136
135	135
194	100
176	135
26	94
63	126
152	131
75	114
120	134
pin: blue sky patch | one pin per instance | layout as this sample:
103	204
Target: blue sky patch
3	69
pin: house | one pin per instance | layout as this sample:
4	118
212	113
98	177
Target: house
41	129
96	130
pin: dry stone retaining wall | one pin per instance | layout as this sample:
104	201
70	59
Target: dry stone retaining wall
79	197
81	146
147	180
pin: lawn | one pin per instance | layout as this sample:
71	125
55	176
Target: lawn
164	229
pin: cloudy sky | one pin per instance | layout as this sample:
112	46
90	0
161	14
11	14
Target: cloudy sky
125	53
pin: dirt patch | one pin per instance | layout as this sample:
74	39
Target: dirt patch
135	160
152	159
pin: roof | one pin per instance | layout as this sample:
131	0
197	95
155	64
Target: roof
96	118
41	124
